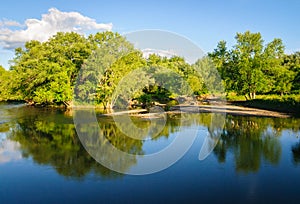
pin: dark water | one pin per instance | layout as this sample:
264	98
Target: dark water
256	160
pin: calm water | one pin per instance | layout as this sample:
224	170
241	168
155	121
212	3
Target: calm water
43	161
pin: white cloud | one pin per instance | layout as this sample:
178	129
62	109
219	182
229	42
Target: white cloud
51	23
9	23
9	151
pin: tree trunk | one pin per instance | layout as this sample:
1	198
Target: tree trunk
68	104
108	107
252	95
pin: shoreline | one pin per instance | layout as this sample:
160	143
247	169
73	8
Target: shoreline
220	108
231	108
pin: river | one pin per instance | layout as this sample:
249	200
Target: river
44	160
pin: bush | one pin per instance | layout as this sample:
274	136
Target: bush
172	103
287	103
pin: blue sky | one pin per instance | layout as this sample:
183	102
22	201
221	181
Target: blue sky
203	22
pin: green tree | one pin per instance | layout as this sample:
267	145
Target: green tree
172	77
224	62
3	83
250	67
211	80
292	63
7	84
46	72
113	57
49	73
280	78
248	61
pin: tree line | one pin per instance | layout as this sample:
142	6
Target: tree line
71	66
251	67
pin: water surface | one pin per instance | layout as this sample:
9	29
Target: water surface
42	161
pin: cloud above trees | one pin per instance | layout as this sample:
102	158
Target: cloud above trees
13	34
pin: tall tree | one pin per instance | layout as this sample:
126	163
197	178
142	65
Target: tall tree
292	63
3	84
250	67
247	58
279	76
211	80
112	59
46	72
7	85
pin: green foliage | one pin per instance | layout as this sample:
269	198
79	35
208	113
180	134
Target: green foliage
286	103
46	72
171	78
243	64
7	86
125	78
70	66
112	58
292	64
280	76
3	83
210	78
250	67
232	96
154	94
274	102
94	70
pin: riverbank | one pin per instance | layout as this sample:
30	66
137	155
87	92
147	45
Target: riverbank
225	108
288	104
243	108
229	109
290	108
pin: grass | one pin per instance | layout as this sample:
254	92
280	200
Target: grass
286	104
234	97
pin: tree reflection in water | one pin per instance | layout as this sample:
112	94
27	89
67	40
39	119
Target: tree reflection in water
296	153
252	140
49	138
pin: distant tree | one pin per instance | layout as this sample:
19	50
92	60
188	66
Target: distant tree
292	63
210	78
3	82
174	77
7	83
221	57
250	67
280	78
